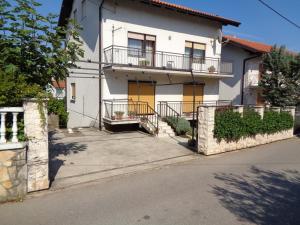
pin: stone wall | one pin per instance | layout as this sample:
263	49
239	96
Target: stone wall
36	131
13	173
208	145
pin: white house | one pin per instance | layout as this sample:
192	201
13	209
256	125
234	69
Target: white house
243	88
154	58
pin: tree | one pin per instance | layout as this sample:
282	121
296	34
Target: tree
280	81
33	50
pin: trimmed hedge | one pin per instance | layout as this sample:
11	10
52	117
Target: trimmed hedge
180	125
231	126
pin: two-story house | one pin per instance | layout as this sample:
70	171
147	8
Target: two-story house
144	59
247	55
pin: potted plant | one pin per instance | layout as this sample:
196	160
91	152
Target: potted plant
131	114
119	115
211	69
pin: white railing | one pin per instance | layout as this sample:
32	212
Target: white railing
3	113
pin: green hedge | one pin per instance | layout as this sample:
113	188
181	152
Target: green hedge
57	107
231	126
180	125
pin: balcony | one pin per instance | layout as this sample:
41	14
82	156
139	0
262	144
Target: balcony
124	57
252	80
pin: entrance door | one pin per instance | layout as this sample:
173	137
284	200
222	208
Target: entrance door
143	92
188	97
260	101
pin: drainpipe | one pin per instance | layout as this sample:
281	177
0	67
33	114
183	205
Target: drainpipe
194	98
100	64
243	76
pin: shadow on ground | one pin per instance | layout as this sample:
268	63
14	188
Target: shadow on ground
57	149
261	196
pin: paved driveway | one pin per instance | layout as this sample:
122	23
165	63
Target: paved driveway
89	152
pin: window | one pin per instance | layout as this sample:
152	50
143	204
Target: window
141	45
195	50
73	91
83	9
75	15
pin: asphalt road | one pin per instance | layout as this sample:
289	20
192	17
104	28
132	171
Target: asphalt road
254	186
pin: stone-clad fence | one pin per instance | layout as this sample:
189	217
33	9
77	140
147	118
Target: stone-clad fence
209	145
24	165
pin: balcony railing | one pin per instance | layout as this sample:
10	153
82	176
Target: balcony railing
117	55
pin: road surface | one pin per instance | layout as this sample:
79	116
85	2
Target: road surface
254	186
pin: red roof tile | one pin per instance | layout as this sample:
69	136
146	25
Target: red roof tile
195	12
67	7
59	84
250	45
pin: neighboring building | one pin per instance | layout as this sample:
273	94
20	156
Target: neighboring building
57	89
247	59
153	52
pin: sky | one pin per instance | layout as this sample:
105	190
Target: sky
258	22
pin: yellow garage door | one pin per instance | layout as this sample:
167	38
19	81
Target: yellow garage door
188	94
143	92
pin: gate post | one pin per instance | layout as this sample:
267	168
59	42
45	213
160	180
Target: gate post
206	123
36	130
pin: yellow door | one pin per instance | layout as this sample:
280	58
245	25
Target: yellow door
188	97
142	92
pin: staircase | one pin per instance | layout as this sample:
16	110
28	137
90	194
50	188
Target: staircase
164	130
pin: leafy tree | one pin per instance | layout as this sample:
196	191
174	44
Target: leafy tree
281	77
33	50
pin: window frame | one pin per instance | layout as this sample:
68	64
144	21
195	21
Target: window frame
195	59
144	40
73	91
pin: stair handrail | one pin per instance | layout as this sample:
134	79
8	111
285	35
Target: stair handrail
173	111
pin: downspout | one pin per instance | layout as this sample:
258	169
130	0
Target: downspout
100	64
243	76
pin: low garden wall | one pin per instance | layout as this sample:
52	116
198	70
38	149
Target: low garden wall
13	173
209	141
24	154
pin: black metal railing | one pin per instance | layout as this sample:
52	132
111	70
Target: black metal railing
185	108
128	110
118	55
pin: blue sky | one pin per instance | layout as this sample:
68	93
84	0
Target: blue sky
258	22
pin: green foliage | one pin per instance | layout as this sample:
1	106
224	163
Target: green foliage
180	125
34	50
9	123
57	107
252	122
280	80
274	122
231	126
228	125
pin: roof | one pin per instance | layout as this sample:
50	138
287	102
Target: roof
252	46
67	7
59	84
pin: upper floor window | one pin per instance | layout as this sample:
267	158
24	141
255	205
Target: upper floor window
73	91
140	44
83	9
195	50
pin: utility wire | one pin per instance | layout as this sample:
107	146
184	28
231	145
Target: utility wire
281	15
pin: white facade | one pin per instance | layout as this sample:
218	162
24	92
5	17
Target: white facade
171	30
231	88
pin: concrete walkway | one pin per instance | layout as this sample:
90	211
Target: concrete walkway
89	154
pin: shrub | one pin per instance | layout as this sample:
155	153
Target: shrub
275	121
57	107
180	125
231	126
228	125
183	126
252	122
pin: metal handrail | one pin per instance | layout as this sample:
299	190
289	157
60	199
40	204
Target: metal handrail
120	55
